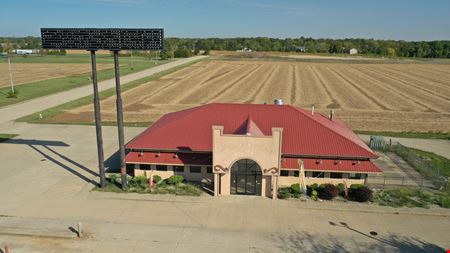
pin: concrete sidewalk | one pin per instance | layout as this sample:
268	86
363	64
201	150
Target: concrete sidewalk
336	205
16	111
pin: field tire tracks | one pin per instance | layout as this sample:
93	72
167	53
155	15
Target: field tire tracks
362	91
334	103
446	99
394	90
263	84
236	81
294	84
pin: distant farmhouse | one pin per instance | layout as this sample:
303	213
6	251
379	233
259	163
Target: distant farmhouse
245	49
353	51
300	49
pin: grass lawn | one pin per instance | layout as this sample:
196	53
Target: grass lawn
431	166
436	161
49	113
411	197
46	87
141	185
417	135
4	137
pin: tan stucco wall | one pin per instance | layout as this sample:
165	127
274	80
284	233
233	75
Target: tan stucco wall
203	176
290	180
264	150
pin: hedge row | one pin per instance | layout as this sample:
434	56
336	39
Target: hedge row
356	192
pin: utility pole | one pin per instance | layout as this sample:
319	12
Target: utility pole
132	65
10	76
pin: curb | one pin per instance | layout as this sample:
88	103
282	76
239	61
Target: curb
22	231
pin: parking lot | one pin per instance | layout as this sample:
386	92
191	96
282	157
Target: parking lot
48	172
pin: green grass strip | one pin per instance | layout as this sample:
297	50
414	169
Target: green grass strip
50	86
5	137
416	135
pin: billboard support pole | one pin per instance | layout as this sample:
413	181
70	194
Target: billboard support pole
98	121
123	172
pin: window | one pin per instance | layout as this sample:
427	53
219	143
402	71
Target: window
178	168
318	174
144	167
296	173
354	176
130	166
195	169
335	175
161	167
284	173
209	169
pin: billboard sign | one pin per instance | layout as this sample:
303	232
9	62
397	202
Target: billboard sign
102	38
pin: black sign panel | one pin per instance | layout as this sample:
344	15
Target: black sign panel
102	38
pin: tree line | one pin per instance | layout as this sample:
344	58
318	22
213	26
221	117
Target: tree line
186	46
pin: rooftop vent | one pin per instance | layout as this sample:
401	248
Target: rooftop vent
278	101
331	115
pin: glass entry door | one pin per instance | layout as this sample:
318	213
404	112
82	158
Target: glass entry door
246	178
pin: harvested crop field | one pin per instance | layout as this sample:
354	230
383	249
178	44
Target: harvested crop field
31	72
377	97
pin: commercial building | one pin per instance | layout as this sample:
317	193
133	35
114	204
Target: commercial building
251	148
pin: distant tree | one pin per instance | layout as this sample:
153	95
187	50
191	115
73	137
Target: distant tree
196	51
166	54
182	53
429	49
391	52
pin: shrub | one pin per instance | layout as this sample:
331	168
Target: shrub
295	189
444	201
314	194
175	179
156	179
166	54
182	53
328	191
311	188
12	94
356	186
138	182
360	194
341	188
284	193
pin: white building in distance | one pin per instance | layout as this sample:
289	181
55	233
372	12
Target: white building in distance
353	51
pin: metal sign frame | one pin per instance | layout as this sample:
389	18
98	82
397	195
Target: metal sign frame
114	39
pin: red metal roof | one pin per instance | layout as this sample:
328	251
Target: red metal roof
303	133
359	166
168	158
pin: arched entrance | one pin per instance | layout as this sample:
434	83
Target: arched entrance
246	177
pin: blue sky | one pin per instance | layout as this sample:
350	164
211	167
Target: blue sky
380	19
